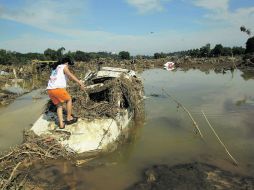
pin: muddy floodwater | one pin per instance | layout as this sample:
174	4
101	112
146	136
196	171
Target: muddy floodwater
19	115
165	136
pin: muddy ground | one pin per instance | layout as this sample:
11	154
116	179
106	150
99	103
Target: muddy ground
191	176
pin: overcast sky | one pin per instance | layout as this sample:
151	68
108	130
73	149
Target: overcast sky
137	26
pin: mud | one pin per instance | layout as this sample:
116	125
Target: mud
192	176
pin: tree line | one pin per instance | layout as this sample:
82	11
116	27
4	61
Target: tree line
218	50
205	51
13	57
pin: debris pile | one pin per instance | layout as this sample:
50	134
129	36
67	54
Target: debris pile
106	99
14	166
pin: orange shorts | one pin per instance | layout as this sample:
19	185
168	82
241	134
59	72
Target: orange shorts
58	95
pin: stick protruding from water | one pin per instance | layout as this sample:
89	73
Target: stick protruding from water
187	111
224	146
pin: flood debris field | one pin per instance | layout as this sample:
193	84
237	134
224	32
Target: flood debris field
38	73
15	164
102	102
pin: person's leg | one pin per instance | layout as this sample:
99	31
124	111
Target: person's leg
69	110
60	115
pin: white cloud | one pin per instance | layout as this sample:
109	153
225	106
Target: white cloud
57	16
145	6
44	14
219	11
212	4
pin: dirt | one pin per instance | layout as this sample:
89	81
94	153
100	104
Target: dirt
192	176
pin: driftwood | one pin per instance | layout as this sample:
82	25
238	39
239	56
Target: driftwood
11	176
33	149
224	146
187	111
105	100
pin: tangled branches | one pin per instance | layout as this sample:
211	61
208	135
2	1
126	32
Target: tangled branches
14	166
109	99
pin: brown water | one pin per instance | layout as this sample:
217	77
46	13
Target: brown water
19	115
166	135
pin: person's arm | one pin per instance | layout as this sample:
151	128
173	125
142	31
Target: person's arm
73	77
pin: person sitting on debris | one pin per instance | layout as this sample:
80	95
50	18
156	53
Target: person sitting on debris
57	90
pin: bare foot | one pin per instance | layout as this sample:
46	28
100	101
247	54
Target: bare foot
62	125
69	118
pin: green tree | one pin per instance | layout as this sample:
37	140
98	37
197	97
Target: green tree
124	55
51	54
250	45
227	51
205	50
8	58
247	31
194	52
60	52
217	50
159	55
82	56
238	50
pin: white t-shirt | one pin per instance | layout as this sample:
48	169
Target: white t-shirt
57	78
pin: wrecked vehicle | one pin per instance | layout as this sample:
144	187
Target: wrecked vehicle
113	97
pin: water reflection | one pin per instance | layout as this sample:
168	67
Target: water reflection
248	74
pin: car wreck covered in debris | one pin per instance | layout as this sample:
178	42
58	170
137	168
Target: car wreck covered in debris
113	97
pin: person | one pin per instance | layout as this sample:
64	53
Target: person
57	90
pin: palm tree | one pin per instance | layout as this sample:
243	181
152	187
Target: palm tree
247	31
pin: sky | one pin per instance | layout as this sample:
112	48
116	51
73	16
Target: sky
142	27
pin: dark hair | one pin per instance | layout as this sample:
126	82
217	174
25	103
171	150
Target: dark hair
67	60
62	61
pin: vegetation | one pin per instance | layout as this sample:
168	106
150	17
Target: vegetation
124	55
159	55
12	57
250	41
206	51
244	29
250	45
9	57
